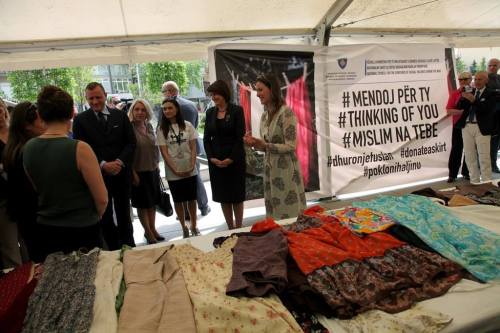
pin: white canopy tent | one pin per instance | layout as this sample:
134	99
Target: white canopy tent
63	33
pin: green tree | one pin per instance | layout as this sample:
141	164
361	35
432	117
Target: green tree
195	71
460	64
482	64
3	95
159	72
26	84
134	90
81	77
473	67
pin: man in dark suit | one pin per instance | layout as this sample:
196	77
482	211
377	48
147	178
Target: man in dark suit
477	123
189	112
111	136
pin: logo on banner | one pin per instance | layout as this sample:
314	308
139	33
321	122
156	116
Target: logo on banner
342	62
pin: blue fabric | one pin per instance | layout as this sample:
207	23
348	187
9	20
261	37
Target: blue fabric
475	248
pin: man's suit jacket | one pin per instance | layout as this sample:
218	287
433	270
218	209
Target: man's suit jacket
117	141
188	110
485	112
190	113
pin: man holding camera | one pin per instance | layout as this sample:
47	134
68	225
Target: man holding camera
457	144
477	123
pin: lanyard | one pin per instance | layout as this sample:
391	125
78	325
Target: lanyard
177	136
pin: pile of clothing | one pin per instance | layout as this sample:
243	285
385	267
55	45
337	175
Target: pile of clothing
368	264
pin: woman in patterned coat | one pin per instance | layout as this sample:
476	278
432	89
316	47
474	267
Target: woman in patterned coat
283	188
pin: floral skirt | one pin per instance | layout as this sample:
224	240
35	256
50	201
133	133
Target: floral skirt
391	283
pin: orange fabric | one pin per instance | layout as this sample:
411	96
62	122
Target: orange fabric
329	244
264	226
315	210
332	243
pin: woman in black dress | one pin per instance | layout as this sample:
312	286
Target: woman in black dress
223	141
22	200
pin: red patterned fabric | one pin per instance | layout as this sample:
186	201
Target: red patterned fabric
333	243
315	210
14	294
329	244
264	226
246	104
297	98
12	321
12	284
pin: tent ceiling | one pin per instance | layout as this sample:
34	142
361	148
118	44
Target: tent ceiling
53	33
91	19
465	23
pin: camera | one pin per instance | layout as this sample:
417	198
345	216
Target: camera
468	89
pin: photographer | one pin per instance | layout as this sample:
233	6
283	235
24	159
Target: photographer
457	145
478	125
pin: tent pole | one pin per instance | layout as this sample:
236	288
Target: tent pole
324	27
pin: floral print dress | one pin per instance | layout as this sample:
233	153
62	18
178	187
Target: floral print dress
206	275
283	186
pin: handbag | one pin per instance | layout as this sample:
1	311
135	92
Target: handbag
254	161
163	205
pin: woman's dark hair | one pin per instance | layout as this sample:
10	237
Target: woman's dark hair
54	104
22	115
165	123
271	81
221	88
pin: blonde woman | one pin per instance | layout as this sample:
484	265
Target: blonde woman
145	172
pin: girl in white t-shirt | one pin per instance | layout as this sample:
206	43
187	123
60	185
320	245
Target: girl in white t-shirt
177	141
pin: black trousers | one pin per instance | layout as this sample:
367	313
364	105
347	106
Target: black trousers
494	150
116	222
455	160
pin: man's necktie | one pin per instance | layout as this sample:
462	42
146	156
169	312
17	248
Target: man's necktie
102	120
472	111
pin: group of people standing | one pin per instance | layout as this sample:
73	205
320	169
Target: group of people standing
224	141
68	183
476	125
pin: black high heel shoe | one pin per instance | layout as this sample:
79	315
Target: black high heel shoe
195	232
160	238
185	232
150	241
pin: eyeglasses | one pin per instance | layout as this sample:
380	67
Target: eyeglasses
464	79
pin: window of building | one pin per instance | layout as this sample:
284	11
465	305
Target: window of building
120	85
